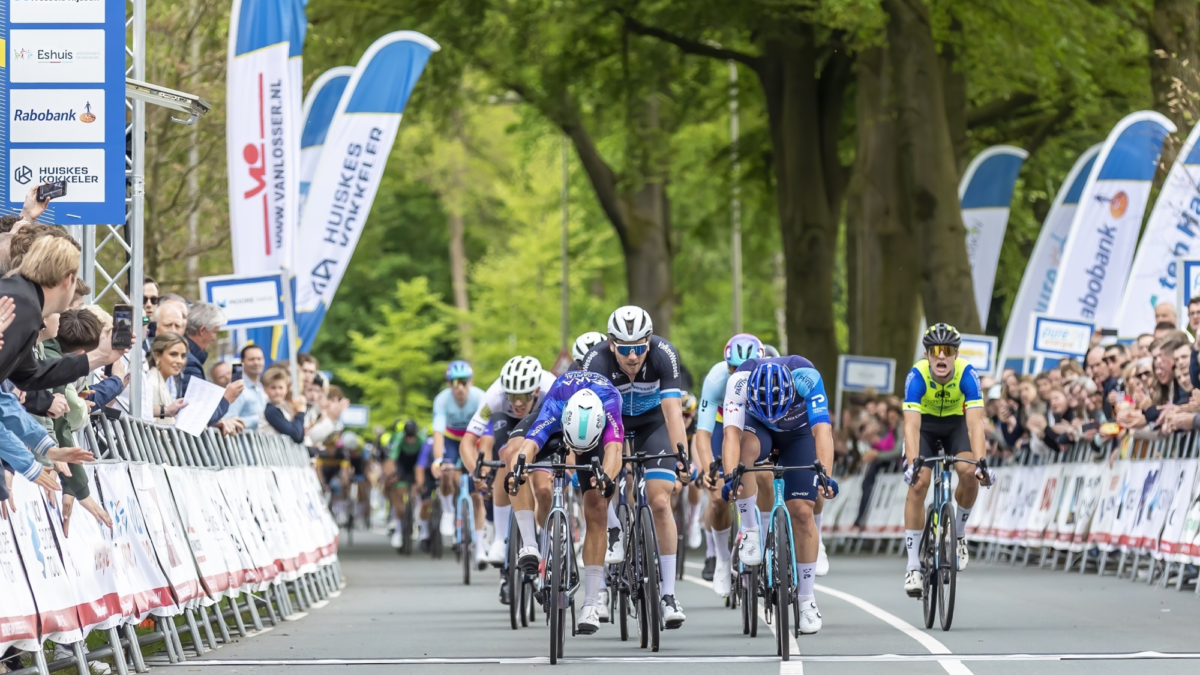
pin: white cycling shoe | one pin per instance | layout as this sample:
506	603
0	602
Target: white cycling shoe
750	551
672	612
602	604
529	558
964	556
589	620
822	561
695	536
913	583
397	541
496	552
616	546
810	618
723	578
447	525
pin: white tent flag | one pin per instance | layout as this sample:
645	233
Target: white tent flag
319	106
262	135
352	162
985	195
1172	230
1037	283
1105	230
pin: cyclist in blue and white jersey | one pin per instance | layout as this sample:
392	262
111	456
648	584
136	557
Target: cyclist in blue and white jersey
509	400
646	370
710	435
452	411
787	396
580	413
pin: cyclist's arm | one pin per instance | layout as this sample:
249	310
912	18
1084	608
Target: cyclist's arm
912	435
673	411
466	451
823	436
706	418
439	425
734	417
612	458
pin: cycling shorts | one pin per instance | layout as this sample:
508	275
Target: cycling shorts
649	432
450	452
944	435
797	448
762	433
584	475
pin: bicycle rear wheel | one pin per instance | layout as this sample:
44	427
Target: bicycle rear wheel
516	585
781	574
929	586
435	534
406	527
681	526
556	583
752	579
947	577
652	577
465	534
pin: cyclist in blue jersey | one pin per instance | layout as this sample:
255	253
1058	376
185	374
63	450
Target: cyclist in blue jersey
646	370
581	413
710	435
452	411
787	396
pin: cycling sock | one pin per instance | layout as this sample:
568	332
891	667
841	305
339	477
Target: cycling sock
961	529
912	543
710	547
527	528
447	504
764	517
721	544
479	544
593	578
749	509
502	515
423	529
613	521
667	564
808	577
817	522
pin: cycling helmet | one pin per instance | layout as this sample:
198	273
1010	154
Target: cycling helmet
583	420
630	324
771	391
741	348
584	343
941	334
459	369
521	375
770	352
410	428
688	402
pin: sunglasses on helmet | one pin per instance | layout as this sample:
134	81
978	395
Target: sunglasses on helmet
638	349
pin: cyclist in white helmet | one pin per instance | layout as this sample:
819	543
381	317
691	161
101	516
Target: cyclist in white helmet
582	345
510	398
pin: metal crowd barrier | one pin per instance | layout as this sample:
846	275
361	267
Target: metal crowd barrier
130	440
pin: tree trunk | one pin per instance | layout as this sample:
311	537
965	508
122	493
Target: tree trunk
808	192
1174	37
883	258
955	93
928	169
458	252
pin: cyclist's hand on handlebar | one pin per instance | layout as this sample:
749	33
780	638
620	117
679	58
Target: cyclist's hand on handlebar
831	488
985	475
910	472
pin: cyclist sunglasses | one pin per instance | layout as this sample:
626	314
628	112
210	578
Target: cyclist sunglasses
942	350
638	349
519	398
460	382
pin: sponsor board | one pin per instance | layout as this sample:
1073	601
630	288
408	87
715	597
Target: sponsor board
50	56
83	170
56	115
56	11
248	300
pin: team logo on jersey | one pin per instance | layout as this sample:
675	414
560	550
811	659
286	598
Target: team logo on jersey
485	412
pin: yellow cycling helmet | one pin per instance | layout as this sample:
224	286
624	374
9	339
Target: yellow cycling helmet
688	402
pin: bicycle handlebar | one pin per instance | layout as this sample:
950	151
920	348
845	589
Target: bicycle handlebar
517	478
735	481
680	456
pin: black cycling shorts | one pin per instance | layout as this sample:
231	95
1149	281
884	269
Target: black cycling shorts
944	435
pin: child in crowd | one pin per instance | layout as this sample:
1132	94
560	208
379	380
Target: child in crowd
279	415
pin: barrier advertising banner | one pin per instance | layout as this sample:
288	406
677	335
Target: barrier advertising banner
55	596
985	195
166	532
133	551
1171	232
1105	229
86	549
262	135
351	167
1037	283
18	614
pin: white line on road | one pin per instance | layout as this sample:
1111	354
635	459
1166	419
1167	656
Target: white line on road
952	667
793	667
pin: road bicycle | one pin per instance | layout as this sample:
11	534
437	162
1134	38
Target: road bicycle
779	577
637	583
938	554
560	576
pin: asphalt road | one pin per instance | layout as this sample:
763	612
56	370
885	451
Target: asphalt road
413	615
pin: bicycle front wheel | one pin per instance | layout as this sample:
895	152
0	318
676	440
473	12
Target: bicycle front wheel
556	583
781	594
651	576
929	586
515	577
947	578
406	527
465	539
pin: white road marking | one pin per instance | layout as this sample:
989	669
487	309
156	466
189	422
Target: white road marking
792	667
952	667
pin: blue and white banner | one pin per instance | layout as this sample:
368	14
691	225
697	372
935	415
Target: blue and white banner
319	106
351	166
1105	230
1060	337
980	352
1037	284
262	136
248	300
985	195
1172	231
1187	271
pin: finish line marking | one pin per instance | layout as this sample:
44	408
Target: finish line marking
790	667
666	660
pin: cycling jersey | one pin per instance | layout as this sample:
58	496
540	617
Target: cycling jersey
496	403
712	396
923	395
809	407
401	446
549	417
659	378
425	456
451	419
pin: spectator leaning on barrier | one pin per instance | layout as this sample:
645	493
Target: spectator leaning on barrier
204	321
221	373
279	415
249	405
332	403
168	356
79	332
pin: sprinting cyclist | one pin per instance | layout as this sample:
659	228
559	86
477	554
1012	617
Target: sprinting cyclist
423	491
786	395
943	413
645	369
582	345
510	398
709	440
403	450
580	413
452	412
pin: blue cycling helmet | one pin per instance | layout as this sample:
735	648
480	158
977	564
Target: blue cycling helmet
741	348
459	369
771	391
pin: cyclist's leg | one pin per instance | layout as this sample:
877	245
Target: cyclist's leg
543	484
756	446
967	491
914	505
800	489
660	482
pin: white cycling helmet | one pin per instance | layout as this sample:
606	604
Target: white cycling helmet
630	324
583	420
584	343
521	375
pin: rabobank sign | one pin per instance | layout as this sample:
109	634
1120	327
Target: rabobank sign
56	115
